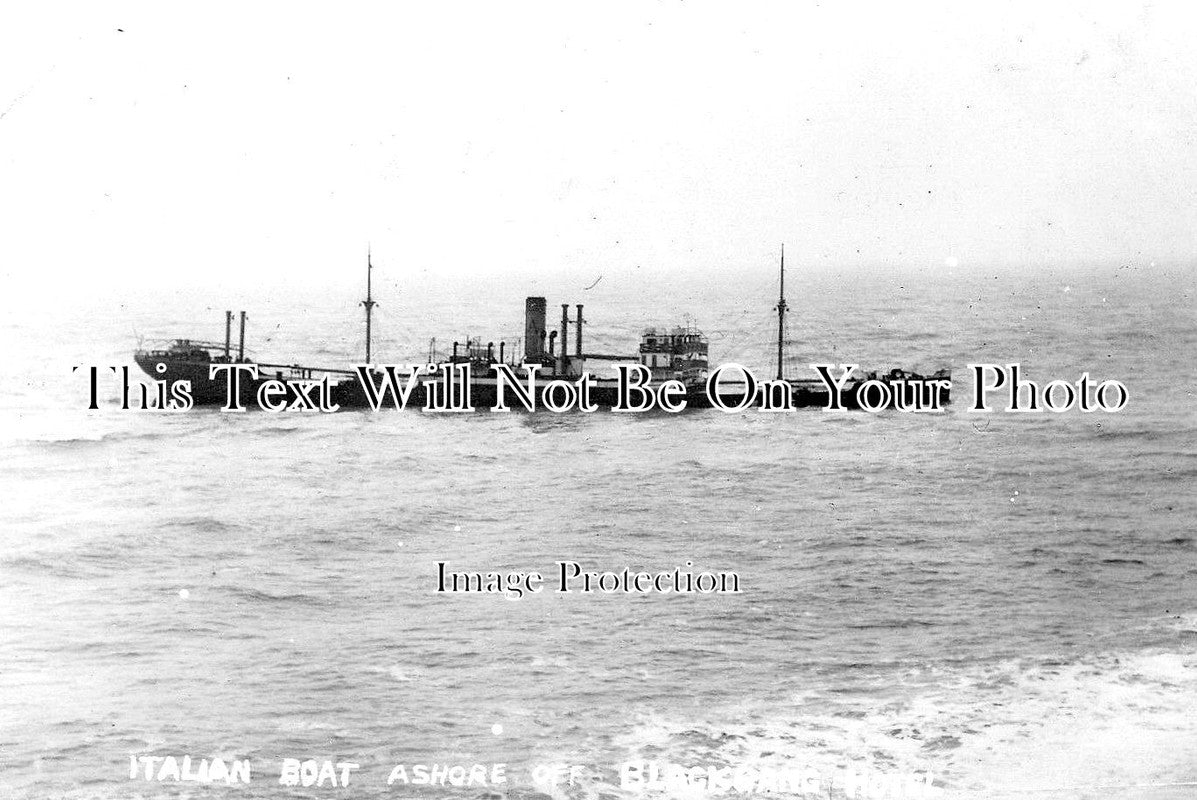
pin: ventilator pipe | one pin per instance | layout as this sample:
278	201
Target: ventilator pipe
241	345
564	360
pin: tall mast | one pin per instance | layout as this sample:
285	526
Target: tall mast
369	301
781	315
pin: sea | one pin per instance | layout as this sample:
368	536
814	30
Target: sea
1003	605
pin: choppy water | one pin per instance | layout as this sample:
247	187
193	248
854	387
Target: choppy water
1007	601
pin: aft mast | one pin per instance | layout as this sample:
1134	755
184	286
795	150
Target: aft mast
369	301
781	316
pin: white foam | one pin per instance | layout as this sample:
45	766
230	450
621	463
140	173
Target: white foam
1016	725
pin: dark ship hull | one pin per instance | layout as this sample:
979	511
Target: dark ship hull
346	391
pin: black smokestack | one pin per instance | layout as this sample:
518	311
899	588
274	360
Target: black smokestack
579	337
534	330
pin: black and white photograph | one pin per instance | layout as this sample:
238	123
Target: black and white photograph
659	400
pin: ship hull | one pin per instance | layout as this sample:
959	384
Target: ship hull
348	393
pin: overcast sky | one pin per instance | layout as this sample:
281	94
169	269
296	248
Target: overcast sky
252	142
